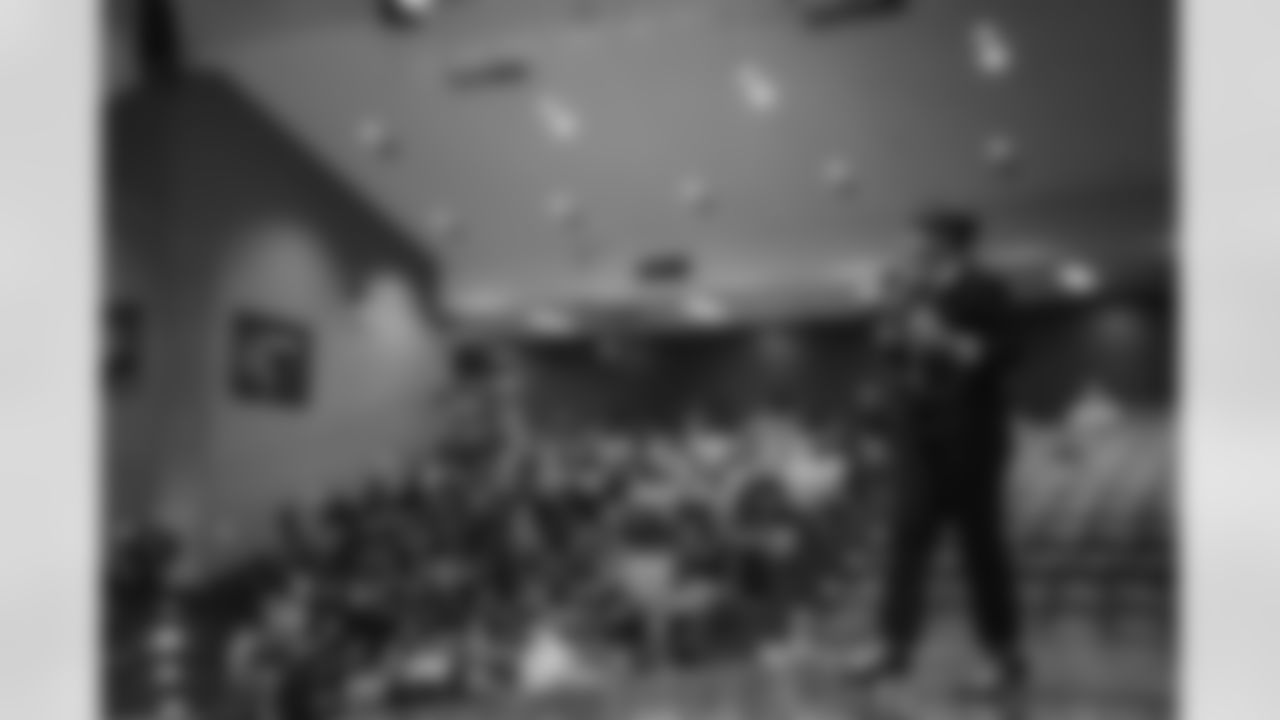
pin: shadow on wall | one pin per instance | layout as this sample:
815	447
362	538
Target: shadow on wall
291	338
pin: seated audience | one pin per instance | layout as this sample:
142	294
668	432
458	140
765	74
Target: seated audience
681	545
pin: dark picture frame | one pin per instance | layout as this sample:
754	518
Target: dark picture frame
271	360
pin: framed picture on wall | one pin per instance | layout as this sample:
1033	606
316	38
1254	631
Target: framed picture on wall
124	346
271	360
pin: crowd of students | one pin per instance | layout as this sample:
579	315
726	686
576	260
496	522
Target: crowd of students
469	570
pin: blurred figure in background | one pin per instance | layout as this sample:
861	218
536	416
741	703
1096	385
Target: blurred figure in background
954	445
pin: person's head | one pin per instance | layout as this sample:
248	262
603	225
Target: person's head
951	238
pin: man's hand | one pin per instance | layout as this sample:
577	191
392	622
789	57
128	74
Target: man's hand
927	329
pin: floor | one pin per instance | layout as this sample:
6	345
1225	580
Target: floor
1081	674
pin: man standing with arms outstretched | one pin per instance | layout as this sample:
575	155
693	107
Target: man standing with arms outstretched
954	450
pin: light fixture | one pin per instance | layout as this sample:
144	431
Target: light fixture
705	310
991	50
835	14
758	90
562	123
550	322
407	15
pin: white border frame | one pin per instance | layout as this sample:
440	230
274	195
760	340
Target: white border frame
48	276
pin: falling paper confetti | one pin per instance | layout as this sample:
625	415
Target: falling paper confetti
561	121
758	90
991	50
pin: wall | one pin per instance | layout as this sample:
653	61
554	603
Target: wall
212	210
1119	346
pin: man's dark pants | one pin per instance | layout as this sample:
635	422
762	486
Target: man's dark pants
957	485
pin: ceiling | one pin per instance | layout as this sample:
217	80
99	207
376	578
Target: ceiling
722	128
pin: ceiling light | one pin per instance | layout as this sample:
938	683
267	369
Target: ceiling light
991	50
758	90
489	71
550	322
705	310
562	123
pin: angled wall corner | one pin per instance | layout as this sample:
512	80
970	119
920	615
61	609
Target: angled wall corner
213	213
